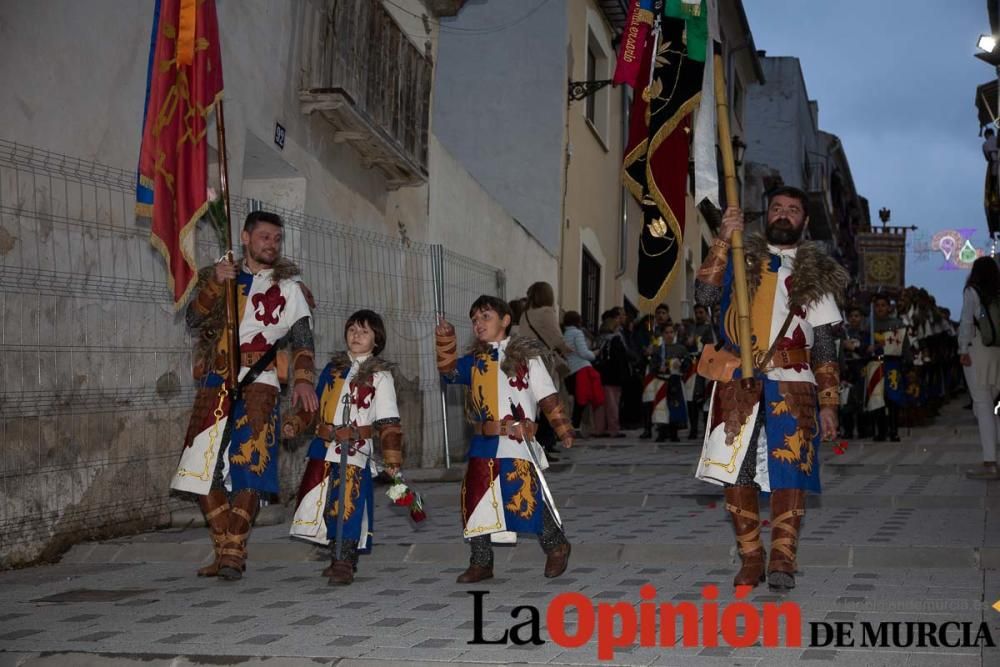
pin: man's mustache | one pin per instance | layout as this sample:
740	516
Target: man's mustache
784	222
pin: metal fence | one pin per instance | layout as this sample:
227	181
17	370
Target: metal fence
95	385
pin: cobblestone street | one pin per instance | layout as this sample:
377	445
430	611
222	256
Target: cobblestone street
898	535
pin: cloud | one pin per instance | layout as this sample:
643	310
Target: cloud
896	82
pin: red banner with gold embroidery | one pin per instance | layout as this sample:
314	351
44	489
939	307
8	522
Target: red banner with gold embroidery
184	81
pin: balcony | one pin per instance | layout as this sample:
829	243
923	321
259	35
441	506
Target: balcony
365	77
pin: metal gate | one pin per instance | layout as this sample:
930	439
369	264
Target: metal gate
95	365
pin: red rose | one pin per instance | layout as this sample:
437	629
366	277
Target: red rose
417	515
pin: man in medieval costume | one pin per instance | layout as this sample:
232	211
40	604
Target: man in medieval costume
696	387
670	361
504	491
766	438
230	455
889	349
649	339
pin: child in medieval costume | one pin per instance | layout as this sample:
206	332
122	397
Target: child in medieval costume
504	491
230	456
669	401
357	400
886	381
649	339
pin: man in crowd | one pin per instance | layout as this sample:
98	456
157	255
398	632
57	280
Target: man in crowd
699	335
853	357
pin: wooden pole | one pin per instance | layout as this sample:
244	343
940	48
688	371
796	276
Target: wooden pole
232	299
736	242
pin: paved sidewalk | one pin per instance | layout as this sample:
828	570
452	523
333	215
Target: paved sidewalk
898	535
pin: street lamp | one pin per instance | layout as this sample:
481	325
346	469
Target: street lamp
738	149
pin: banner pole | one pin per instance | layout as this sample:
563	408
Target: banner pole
232	300
736	243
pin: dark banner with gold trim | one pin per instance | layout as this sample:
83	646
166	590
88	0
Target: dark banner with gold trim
883	260
656	157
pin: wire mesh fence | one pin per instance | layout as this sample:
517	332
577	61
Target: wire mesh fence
95	366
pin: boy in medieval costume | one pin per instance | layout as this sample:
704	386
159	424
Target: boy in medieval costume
357	400
649	339
229	462
766	439
671	361
885	373
504	491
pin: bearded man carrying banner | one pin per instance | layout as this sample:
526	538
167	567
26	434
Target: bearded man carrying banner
230	455
766	438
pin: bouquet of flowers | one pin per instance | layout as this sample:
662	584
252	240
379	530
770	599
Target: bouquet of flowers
404	496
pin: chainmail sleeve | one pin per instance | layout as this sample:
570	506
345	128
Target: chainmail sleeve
825	367
706	294
824	347
300	338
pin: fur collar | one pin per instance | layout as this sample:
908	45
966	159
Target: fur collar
283	269
369	367
814	273
517	353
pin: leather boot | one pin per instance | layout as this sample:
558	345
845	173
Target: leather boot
341	573
788	506
557	560
234	551
647	421
475	573
215	506
742	505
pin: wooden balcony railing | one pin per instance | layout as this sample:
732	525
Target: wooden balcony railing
370	82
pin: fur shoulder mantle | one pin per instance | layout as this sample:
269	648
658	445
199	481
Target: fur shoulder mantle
519	350
369	367
814	273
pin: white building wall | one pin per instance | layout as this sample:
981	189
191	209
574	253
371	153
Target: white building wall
466	219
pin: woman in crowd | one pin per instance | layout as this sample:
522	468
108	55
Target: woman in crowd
613	365
540	320
583	382
980	362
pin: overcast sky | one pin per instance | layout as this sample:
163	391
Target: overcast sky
896	80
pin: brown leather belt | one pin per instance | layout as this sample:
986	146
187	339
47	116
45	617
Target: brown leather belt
520	430
248	359
332	433
789	358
